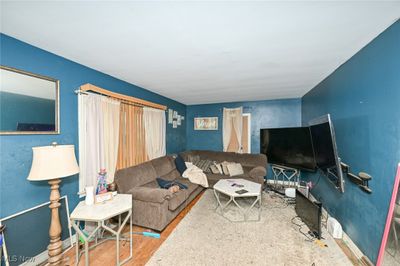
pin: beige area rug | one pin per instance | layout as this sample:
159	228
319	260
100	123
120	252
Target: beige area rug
204	237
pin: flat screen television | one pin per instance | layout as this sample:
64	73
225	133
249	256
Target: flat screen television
291	147
310	213
325	150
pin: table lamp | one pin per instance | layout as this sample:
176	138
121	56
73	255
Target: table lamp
53	163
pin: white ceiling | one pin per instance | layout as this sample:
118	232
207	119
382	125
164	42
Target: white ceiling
204	52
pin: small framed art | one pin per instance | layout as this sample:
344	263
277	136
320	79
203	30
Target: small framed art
206	123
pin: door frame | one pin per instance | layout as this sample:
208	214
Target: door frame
248	129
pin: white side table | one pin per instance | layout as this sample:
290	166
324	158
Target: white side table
99	213
224	186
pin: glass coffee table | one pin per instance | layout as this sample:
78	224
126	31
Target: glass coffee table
234	189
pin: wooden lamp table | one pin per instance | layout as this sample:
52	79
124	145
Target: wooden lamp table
100	213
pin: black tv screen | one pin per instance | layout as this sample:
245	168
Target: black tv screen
323	146
291	147
325	150
309	212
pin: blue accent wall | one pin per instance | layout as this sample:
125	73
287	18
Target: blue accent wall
18	108
16	193
363	98
264	114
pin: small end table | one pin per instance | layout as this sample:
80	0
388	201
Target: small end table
99	213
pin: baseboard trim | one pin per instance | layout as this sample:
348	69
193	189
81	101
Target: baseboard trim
346	239
41	258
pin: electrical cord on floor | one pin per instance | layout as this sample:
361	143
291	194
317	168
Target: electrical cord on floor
309	237
284	201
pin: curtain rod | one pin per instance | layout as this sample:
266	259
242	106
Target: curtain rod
121	97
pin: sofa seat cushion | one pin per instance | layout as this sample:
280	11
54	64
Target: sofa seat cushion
177	199
191	186
182	195
149	194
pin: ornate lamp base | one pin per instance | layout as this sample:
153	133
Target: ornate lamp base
55	246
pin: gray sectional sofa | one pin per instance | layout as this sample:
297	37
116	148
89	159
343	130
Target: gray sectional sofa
254	165
154	207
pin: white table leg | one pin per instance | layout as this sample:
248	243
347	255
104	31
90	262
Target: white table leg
130	233
86	239
76	247
117	243
243	211
219	202
117	235
86	253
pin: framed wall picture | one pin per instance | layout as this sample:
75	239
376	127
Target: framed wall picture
170	116
206	123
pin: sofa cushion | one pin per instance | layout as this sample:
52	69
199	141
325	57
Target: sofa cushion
215	169
174	174
181	196
165	184
193	159
163	165
224	166
177	199
156	195
251	160
235	169
204	165
134	176
190	186
258	171
180	164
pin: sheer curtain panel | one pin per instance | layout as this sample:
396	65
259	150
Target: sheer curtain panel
155	132
232	126
98	119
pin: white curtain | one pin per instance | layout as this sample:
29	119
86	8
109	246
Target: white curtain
98	119
155	131
232	120
110	111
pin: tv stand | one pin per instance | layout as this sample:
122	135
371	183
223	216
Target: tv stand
285	177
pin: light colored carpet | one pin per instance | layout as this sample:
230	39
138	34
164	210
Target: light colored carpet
204	237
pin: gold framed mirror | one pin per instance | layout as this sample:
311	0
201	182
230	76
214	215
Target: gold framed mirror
29	103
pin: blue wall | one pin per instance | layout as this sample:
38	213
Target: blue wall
16	193
363	98
18	108
264	114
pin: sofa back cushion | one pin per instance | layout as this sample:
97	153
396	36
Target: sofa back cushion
135	176
163	165
245	159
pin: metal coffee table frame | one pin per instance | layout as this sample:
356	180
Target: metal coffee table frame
102	225
243	211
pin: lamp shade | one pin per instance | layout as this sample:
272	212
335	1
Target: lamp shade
52	162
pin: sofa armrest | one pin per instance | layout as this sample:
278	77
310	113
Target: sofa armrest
156	195
258	172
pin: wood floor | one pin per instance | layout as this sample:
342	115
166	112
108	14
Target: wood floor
143	247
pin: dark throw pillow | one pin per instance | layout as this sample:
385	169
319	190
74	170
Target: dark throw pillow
167	184
180	164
